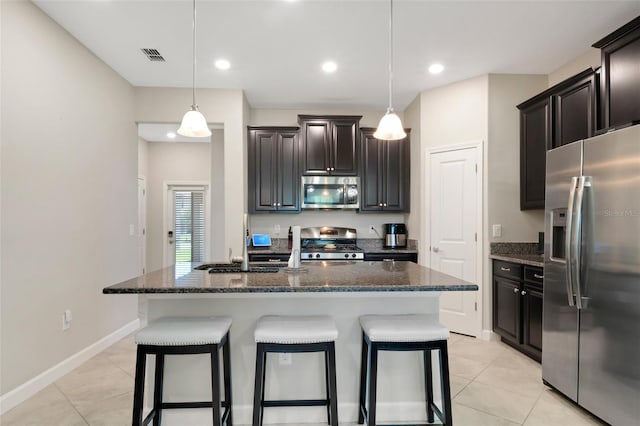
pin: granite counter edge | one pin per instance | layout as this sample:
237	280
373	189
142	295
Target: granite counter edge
518	258
343	289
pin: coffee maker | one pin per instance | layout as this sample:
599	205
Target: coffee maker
395	235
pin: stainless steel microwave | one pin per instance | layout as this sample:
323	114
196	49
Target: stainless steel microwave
330	192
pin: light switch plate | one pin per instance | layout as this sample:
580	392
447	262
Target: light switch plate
497	230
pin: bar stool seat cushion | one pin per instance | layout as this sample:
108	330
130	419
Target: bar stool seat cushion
184	331
293	329
403	328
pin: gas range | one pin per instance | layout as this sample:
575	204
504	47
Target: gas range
329	243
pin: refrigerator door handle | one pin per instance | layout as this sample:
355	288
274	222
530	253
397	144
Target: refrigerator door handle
569	241
583	182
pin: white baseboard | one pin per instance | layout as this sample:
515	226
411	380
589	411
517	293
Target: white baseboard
44	379
490	336
347	412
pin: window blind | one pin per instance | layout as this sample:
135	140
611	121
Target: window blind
189	226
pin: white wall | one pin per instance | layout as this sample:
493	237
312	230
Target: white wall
171	162
168	105
415	218
590	58
505	92
69	170
143	158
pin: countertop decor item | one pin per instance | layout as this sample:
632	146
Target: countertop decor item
390	127
193	123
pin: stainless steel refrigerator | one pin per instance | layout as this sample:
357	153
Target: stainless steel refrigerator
591	309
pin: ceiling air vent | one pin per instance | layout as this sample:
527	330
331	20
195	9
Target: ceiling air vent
153	55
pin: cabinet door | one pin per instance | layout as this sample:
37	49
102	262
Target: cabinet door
316	150
396	176
288	185
371	181
344	148
620	89
532	321
506	308
263	148
535	139
574	112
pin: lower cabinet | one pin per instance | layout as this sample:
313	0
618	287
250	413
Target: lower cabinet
517	306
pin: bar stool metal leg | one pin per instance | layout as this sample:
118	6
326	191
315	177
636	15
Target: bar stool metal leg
258	394
226	360
373	384
141	359
364	373
333	394
428	384
157	389
446	386
215	388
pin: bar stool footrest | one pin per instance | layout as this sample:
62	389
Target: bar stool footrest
296	403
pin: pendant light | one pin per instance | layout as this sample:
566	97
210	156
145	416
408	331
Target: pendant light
193	123
390	127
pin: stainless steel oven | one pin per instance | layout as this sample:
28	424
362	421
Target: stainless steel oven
329	244
330	192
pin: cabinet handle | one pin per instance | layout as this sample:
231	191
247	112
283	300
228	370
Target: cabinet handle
538	276
328	169
523	292
384	205
502	268
333	168
279	204
515	290
380	205
274	204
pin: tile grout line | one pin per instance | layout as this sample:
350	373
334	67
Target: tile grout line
71	403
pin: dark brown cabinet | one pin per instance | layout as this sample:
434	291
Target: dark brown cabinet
517	306
560	115
274	174
535	139
329	145
620	76
384	173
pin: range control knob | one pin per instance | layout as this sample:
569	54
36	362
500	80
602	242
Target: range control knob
310	256
346	255
353	255
317	255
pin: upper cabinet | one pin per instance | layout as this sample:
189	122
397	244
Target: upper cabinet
274	173
329	145
620	77
385	174
560	115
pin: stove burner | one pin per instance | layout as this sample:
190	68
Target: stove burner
328	243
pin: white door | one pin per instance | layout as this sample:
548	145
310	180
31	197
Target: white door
142	226
186	225
454	210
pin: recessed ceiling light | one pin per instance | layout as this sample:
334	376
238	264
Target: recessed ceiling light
329	66
436	68
171	135
223	64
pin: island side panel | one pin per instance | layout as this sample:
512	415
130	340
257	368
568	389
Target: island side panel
400	384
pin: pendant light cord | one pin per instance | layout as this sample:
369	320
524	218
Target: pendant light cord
194	55
390	55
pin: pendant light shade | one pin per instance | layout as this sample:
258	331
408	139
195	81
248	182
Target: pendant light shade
194	124
390	127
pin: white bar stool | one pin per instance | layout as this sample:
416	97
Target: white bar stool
181	336
418	332
295	334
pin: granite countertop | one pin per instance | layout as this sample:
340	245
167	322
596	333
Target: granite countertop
524	259
319	277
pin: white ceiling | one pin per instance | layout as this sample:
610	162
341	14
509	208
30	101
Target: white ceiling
276	47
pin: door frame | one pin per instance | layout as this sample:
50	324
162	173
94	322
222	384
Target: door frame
480	207
167	203
142	225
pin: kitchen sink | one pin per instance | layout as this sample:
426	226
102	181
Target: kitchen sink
230	268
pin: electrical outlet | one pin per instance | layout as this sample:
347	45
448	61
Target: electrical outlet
132	230
276	229
372	229
497	230
285	359
66	319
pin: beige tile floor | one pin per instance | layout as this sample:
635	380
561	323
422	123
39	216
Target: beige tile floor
492	384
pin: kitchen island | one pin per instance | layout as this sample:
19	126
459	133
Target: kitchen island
344	290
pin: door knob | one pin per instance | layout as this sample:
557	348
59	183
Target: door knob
435	249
